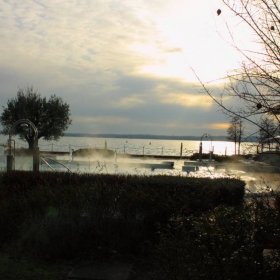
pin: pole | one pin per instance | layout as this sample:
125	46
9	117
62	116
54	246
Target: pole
10	162
36	155
10	157
181	151
36	159
200	151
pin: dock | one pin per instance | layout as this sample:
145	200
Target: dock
178	157
244	166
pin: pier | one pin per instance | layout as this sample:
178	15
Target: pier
242	165
119	155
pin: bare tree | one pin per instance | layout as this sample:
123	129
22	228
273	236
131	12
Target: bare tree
254	89
267	131
235	132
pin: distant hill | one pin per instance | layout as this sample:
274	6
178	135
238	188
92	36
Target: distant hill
150	136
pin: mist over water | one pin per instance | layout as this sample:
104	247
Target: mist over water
118	164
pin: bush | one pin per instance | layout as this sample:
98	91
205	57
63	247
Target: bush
224	243
62	215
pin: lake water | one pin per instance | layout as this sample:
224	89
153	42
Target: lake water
138	146
120	165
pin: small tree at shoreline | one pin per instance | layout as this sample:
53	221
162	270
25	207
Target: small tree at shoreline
267	131
235	132
51	117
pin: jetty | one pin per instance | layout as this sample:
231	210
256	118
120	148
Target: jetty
120	155
246	166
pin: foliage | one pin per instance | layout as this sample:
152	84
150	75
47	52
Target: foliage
223	243
11	269
54	215
195	228
51	117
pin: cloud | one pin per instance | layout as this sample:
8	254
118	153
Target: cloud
173	50
219	126
103	119
123	66
129	102
188	100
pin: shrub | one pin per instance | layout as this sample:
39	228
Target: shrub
224	243
62	215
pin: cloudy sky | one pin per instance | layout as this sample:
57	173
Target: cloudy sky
123	66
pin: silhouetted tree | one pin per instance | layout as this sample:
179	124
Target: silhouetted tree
254	89
267	132
51	117
235	132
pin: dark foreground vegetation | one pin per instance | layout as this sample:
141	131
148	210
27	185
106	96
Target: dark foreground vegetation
170	227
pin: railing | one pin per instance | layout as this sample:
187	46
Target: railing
50	159
120	149
141	150
126	149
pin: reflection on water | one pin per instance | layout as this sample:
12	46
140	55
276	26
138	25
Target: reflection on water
255	181
138	146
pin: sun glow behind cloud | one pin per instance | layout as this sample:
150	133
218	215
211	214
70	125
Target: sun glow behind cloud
187	100
125	65
102	119
190	31
219	126
129	102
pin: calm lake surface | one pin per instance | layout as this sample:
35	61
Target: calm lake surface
119	165
138	146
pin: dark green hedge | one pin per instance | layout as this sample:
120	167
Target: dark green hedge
79	211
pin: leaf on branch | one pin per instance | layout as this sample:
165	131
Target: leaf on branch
219	12
259	106
272	28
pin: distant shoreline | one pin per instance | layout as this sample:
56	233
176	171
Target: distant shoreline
151	136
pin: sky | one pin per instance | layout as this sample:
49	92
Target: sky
123	66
